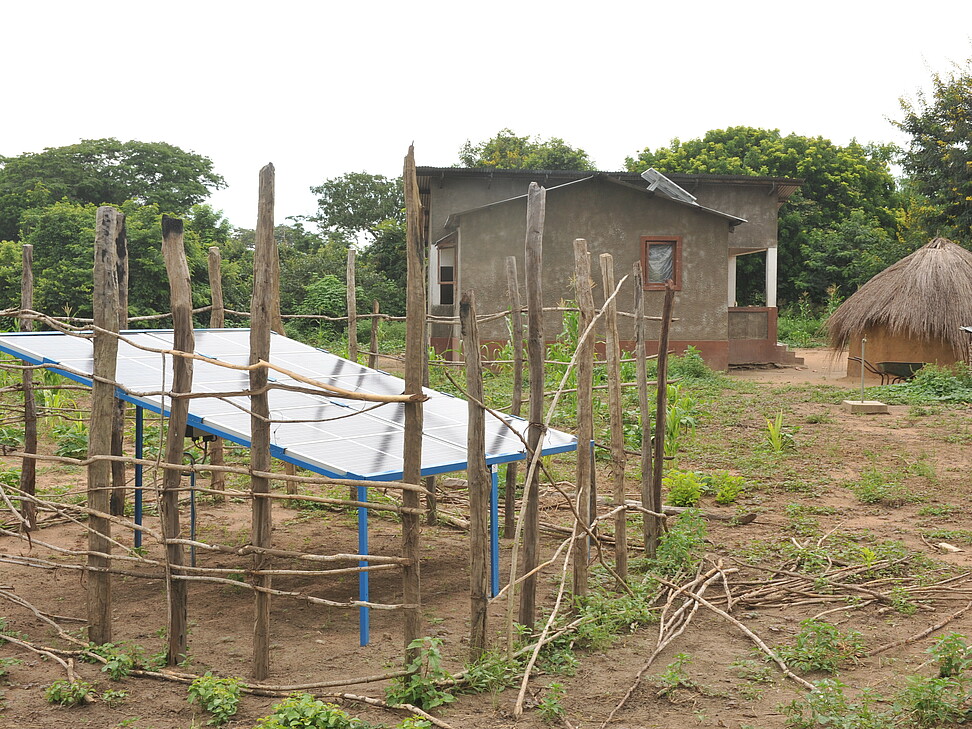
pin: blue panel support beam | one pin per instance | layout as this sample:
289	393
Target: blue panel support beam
494	532
364	616
139	447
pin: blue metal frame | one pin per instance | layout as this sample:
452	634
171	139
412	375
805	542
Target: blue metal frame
139	452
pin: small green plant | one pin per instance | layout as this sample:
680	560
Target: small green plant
820	646
778	435
119	662
219	696
930	703
681	547
112	698
752	671
883	487
303	711
11	438
937	510
727	488
684	488
69	693
5	664
674	677
826	706
71	440
419	687
550	706
952	655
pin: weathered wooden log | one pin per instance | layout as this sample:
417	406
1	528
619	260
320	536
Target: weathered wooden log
105	300
262	308
174	252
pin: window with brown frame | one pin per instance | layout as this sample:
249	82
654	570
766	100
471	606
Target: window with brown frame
447	275
661	259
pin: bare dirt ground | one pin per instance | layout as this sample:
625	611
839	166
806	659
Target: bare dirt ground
313	643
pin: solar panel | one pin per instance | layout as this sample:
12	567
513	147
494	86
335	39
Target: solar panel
327	435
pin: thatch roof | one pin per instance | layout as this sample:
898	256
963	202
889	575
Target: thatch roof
925	295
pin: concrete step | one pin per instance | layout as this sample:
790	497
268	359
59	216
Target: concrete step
785	356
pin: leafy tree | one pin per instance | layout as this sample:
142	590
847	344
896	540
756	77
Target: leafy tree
837	182
358	203
63	233
104	171
511	152
939	154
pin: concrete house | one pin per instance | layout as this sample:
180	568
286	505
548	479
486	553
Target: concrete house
476	218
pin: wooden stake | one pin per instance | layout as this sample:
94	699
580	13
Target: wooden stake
118	476
174	252
217	320
650	526
533	256
373	344
613	352
661	404
262	309
478	478
105	302
28	468
352	309
585	414
516	336
415	364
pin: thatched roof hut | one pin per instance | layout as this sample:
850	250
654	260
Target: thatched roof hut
912	311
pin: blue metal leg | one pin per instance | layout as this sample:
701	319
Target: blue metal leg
494	533
139	433
192	517
364	616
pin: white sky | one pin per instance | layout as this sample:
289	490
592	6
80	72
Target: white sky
323	88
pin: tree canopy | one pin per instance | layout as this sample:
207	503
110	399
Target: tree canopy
847	208
104	171
939	154
508	151
358	203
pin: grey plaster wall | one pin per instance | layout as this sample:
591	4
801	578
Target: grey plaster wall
756	203
612	219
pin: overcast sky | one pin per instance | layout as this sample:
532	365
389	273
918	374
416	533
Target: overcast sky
323	88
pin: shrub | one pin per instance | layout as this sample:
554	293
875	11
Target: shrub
419	687
303	711
68	693
684	488
219	696
820	646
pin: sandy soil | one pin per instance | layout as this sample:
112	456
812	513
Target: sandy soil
312	643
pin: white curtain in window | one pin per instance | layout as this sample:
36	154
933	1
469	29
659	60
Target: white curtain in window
661	262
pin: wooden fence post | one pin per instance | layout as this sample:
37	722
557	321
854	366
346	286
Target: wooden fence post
479	480
352	296
416	358
516	338
373	344
118	476
613	352
183	340
105	301
28	468
661	403
650	526
261	321
217	320
585	414
533	258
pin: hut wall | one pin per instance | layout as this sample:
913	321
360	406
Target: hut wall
882	346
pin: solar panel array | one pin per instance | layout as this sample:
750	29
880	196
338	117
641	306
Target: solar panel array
324	434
